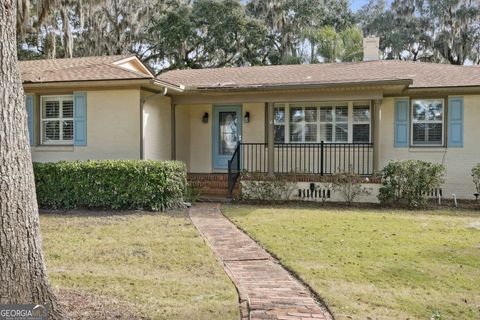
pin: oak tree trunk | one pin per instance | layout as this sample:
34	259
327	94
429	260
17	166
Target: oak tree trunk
23	277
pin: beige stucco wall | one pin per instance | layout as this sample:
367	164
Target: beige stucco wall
200	139
254	131
194	138
157	126
458	161
182	134
113	129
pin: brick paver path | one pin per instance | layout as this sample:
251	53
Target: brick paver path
266	289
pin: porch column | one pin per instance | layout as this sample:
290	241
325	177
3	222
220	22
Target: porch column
377	120
271	139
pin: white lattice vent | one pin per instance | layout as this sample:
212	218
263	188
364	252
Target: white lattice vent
319	194
435	193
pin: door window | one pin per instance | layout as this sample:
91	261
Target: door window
228	137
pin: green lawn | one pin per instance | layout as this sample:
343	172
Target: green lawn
154	264
373	264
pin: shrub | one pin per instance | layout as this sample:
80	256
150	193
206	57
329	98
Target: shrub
409	181
476	177
192	193
349	185
262	186
111	184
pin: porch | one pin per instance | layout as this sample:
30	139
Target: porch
304	159
219	141
308	162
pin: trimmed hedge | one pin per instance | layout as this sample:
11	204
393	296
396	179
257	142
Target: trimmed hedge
111	184
410	181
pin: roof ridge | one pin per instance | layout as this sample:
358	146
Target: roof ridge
117	57
83	66
90	65
315	64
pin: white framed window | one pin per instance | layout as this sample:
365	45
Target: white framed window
279	123
427	127
56	117
361	127
303	123
334	123
313	122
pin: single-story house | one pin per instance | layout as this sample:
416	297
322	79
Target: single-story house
308	119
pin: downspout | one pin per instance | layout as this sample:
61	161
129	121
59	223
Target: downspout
142	103
173	137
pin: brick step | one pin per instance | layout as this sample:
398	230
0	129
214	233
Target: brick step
207	177
217	184
211	185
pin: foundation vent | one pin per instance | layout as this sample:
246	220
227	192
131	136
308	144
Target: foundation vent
308	194
435	193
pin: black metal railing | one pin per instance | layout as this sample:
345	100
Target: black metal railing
323	158
254	157
234	169
301	158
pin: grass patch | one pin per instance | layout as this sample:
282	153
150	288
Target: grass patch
376	264
157	262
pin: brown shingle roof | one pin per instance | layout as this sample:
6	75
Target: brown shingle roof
423	75
77	69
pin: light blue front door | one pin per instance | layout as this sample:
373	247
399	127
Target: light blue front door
227	132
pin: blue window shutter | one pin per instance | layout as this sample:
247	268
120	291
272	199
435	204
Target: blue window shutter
455	122
80	118
401	123
30	114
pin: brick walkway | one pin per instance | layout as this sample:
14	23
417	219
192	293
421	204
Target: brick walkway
266	289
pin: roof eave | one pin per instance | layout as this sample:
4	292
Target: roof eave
76	83
449	88
404	82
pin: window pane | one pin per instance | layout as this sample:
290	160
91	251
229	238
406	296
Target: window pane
310	133
68	130
296	114
361	114
228	136
311	114
67	109
361	133
326	114
279	133
279	115
419	136
51	130
341	114
430	110
51	109
295	132
427	122
326	132
435	110
341	132
434	133
419	111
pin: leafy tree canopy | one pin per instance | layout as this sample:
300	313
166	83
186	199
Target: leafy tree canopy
173	34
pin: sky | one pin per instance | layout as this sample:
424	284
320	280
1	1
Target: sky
356	4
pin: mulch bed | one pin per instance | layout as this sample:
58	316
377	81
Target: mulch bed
85	305
462	205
